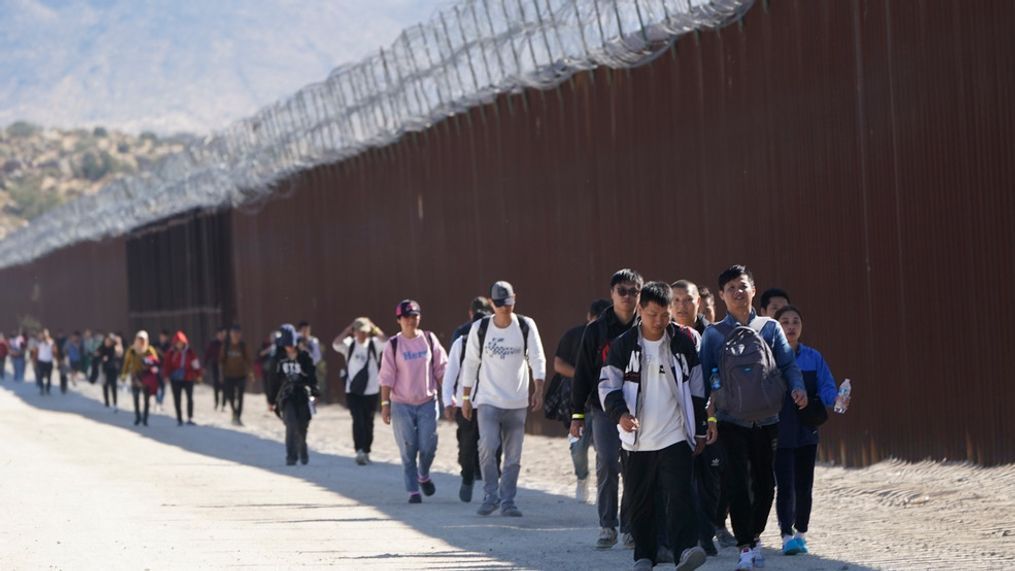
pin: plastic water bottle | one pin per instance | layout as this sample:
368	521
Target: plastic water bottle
714	379
842	401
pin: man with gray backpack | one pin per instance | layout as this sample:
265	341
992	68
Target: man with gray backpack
749	366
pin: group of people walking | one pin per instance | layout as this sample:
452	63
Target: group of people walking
700	420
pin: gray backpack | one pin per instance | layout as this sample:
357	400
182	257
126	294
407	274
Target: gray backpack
752	387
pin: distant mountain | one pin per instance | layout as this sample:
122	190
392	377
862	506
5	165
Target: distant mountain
178	65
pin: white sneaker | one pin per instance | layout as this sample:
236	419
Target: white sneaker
581	491
759	555
746	561
628	539
607	538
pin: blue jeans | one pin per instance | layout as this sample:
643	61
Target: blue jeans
415	428
580	452
606	439
500	427
19	368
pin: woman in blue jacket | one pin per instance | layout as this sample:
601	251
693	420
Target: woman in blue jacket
798	442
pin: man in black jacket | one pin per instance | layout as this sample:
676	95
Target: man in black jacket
294	384
652	386
625	289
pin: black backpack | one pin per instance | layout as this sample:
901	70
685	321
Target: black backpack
484	325
358	383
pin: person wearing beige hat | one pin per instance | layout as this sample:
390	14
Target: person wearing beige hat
361	344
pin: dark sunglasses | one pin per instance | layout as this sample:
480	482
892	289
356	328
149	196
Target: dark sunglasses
628	292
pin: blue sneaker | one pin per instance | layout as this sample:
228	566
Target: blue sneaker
793	546
803	544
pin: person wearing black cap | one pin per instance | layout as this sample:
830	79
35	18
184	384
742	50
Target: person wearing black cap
295	383
500	352
412	365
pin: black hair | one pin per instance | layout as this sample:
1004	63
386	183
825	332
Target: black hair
598	306
771	292
705	293
302	324
658	292
686	285
788	309
166	333
733	272
235	327
626	275
222	329
481	304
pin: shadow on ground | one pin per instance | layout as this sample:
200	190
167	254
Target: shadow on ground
485	542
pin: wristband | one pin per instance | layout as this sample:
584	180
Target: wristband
385	403
577	416
713	419
466	397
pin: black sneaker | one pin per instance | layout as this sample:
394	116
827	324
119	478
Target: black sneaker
428	487
415	499
709	546
289	462
304	460
465	492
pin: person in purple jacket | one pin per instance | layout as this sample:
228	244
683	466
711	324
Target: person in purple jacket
412	366
798	441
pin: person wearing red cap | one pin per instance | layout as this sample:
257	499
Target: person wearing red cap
412	365
183	369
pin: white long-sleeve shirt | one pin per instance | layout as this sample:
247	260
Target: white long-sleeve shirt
503	373
450	396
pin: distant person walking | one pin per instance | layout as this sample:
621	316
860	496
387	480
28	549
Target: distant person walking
18	348
211	357
412	366
108	359
141	367
45	356
183	369
291	392
237	367
361	343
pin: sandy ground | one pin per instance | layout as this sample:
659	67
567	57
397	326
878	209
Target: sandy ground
82	488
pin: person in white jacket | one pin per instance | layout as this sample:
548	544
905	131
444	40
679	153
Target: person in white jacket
495	378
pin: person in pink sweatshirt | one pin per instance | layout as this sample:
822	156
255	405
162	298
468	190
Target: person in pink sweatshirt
412	365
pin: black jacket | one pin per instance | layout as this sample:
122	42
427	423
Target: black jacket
589	361
291	378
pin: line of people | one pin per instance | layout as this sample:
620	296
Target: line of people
701	420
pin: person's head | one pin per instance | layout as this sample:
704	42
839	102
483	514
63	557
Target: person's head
408	314
597	307
792	323
706	303
502	294
141	340
772	300
480	305
163	337
685	302
221	332
88	333
736	289
625	286
304	328
44	335
109	340
654	308
180	341
288	339
362	329
76	336
235	334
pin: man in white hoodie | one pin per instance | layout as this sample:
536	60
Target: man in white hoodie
500	352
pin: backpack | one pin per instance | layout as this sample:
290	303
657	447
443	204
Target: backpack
358	383
752	387
484	325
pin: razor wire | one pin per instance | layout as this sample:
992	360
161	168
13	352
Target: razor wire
464	56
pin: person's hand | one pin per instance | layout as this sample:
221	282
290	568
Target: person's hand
800	398
449	412
386	413
577	426
699	445
467	409
628	423
711	434
537	399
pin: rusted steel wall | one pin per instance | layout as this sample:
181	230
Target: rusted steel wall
81	286
855	153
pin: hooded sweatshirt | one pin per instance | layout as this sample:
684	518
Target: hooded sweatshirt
181	364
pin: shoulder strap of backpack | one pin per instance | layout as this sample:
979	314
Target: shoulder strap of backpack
371	352
759	323
523	323
394	346
484	325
